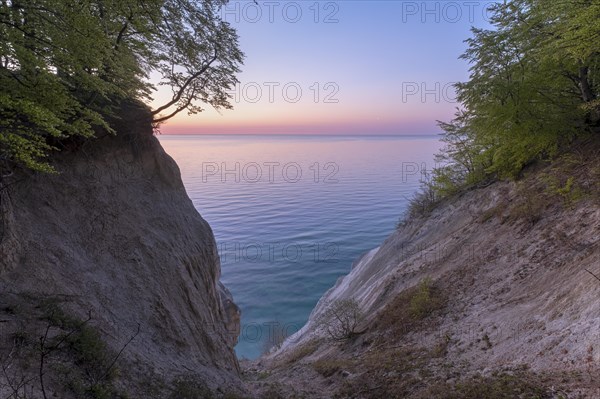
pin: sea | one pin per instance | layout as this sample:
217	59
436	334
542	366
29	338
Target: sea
290	213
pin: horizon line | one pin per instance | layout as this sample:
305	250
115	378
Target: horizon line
302	134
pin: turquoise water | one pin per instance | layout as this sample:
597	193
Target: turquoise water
291	213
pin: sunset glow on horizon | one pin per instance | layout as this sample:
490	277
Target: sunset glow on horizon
310	70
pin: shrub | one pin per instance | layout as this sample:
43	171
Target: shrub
341	319
570	193
410	309
303	351
422	302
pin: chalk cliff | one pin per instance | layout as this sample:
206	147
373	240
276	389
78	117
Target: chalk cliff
494	288
111	254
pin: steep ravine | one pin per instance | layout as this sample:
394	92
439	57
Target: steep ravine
109	288
111	254
489	296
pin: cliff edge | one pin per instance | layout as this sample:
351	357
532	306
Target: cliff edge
109	278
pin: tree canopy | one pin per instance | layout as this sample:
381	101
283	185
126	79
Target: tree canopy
66	65
534	85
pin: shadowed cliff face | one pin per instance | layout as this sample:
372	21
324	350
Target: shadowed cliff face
114	236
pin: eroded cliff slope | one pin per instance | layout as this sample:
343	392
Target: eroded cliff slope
489	296
109	274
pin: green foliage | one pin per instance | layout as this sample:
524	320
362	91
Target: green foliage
421	204
434	186
423	302
413	309
533	86
530	206
91	352
463	158
89	371
66	65
569	192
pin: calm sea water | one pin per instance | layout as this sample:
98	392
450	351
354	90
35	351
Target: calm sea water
291	213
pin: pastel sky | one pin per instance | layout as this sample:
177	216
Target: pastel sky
342	67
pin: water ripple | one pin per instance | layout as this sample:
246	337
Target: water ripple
283	244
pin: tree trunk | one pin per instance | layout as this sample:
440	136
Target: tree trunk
584	84
588	95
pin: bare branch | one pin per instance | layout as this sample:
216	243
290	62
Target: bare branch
114	361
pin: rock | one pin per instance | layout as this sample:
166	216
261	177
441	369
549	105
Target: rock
233	314
115	235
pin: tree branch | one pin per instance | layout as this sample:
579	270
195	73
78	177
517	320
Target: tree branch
114	361
179	94
178	110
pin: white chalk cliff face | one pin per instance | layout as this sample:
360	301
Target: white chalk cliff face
515	281
114	235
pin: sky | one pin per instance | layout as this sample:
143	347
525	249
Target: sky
348	67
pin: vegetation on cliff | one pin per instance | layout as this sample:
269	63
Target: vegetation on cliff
66	65
533	89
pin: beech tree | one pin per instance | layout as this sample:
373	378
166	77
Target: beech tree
199	60
533	86
575	34
66	65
